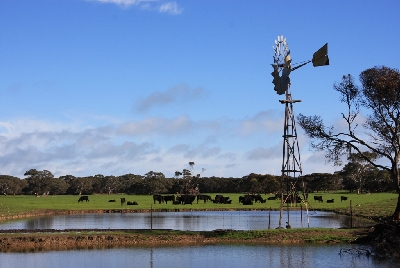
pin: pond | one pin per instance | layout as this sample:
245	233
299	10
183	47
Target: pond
188	221
220	256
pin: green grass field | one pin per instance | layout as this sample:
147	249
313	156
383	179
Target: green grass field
372	205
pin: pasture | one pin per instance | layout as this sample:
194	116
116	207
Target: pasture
373	205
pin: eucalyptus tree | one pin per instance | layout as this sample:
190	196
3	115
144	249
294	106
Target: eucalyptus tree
10	185
268	183
187	184
154	182
111	184
131	183
379	182
39	182
72	185
379	133
78	185
98	183
58	186
359	170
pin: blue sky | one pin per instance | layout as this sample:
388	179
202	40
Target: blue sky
129	86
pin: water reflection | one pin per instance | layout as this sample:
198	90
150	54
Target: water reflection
220	256
192	221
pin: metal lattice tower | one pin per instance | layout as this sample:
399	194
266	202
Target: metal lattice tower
291	164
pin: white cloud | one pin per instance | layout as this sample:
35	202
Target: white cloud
264	121
171	8
155	143
125	3
167	7
156	126
175	94
263	153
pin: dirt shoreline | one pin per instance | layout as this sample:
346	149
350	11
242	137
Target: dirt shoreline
49	240
57	240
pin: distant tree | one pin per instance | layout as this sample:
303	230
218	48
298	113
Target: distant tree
379	181
154	182
349	184
207	185
321	182
131	183
187	184
250	183
58	186
39	182
380	96
70	181
98	184
268	184
358	169
10	185
111	184
78	185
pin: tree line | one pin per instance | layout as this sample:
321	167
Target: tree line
353	177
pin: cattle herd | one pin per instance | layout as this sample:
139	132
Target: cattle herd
123	200
181	199
319	199
248	199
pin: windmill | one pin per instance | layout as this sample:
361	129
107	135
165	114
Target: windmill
291	164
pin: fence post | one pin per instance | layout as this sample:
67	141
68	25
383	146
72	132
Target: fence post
269	218
351	215
301	215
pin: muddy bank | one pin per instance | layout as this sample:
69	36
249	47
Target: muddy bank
57	240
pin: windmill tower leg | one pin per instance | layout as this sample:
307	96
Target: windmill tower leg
291	165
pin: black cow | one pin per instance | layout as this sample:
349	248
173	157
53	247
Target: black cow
123	200
318	198
129	203
111	200
83	198
246	200
167	198
186	199
258	198
158	198
330	201
343	198
220	199
203	197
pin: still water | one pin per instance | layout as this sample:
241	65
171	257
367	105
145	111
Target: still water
219	255
191	221
204	256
